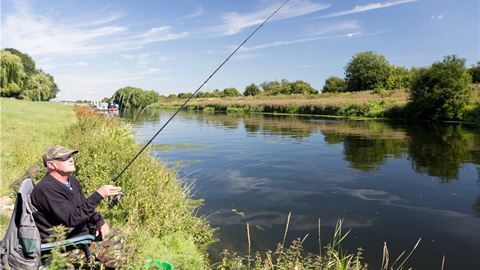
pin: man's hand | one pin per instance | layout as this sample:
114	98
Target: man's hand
109	190
103	228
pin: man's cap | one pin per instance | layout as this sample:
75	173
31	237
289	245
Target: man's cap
57	151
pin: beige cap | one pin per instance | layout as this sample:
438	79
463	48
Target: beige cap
55	152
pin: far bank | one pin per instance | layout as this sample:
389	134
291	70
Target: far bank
392	104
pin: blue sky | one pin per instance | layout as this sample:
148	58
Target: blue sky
92	48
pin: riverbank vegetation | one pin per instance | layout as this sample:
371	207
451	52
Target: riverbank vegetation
446	90
157	213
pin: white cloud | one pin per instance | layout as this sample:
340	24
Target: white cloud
161	33
296	41
127	56
234	22
368	7
81	64
38	34
336	27
438	17
196	13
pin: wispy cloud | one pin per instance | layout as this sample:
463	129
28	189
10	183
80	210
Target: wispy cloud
339	27
39	34
234	22
438	17
199	11
368	7
301	40
161	33
81	64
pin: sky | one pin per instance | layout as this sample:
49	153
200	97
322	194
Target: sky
93	48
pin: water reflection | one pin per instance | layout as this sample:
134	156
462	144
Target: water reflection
391	181
437	150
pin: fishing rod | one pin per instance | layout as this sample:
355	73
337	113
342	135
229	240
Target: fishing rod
117	198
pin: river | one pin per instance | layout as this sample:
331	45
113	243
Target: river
392	182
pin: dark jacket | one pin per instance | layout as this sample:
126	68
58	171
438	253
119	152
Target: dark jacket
57	204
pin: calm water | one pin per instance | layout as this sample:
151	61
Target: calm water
390	182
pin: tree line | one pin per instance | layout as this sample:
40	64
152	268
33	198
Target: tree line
440	91
19	78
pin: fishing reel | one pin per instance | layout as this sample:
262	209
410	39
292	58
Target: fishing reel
115	200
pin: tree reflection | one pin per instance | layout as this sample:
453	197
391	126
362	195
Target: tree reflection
368	154
437	150
441	150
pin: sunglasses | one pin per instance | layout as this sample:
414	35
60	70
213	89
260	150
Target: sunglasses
64	158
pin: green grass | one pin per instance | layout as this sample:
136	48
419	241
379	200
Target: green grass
27	129
157	212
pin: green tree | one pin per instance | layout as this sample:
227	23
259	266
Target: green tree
367	71
301	87
39	87
184	95
285	88
475	73
12	74
251	90
231	92
134	97
399	78
27	61
334	85
442	90
271	87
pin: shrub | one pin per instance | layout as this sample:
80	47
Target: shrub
231	92
475	73
398	78
367	71
334	85
442	90
251	90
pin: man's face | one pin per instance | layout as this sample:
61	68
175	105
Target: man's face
64	165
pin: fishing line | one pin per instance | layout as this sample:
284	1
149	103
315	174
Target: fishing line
117	198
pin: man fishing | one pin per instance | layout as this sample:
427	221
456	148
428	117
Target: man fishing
59	198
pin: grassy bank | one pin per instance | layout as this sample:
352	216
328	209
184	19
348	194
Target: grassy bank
369	104
157	213
27	128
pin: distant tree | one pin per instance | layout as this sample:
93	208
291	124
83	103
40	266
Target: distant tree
271	87
39	87
285	88
151	97
442	90
184	95
231	92
201	94
134	97
251	90
107	99
398	78
172	96
27	61
475	73
216	94
301	87
12	75
367	71
334	85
